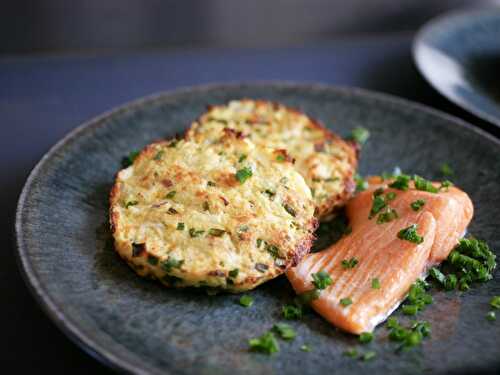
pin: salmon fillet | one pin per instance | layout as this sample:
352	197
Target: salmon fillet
395	262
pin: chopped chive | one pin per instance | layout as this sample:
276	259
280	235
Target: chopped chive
159	155
216	232
446	170
280	157
417	205
369	355
246	301
273	250
424	185
305	348
345	301
389	214
243	174
352	353
131	203
495	302
365	337
351	263
401	182
375	283
361	184
390	196
234	273
242	158
152	260
360	135
180	226
321	280
445	185
170	263
266	343
171	194
195	233
259	242
410	309
491	316
306	298
410	234
292	312
285	331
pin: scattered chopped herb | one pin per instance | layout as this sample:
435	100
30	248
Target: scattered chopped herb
361	184
246	301
280	157
345	301
180	226
171	194
259	242
410	234
352	353
387	215
389	176
409	337
446	170
173	143
211	183
390	196
417	298
131	203
242	158
375	283
491	316
152	260
321	280
473	261
270	193
289	209
172	211
351	263
266	343
216	232
243	174
450	282
378	203
170	263
234	273
128	160
159	155
436	274
401	182
305	348
307	297
445	185
292	312
495	302
195	232
365	337
360	135
424	185
273	250
417	205
285	331
369	355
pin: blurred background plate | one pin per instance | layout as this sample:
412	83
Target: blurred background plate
459	54
138	326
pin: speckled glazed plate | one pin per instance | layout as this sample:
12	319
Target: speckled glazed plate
140	327
459	54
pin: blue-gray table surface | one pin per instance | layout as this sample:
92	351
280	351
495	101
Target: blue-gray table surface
44	97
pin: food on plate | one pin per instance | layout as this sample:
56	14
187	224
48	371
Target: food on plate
400	229
227	215
326	162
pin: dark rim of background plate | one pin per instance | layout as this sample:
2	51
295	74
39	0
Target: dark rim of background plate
429	28
71	329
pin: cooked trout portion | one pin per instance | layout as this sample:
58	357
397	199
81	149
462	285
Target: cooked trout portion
229	215
412	232
326	162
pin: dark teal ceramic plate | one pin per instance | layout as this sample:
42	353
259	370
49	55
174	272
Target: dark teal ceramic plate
138	326
459	54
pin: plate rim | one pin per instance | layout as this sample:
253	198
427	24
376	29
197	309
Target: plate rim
425	30
79	336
